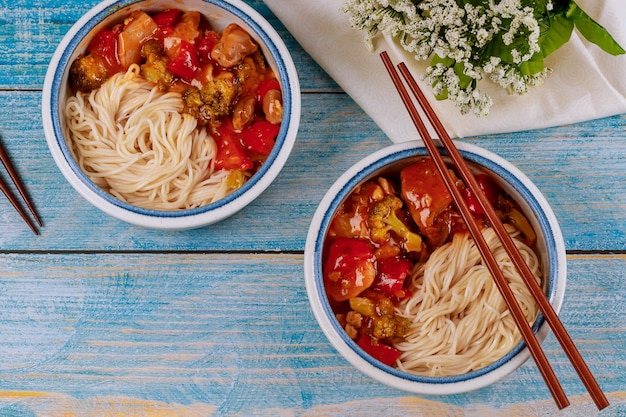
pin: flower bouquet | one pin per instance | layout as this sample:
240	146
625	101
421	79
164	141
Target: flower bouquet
468	41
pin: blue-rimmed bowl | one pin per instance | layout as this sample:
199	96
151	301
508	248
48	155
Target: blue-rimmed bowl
550	247
220	13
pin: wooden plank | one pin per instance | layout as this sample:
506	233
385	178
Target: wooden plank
579	168
99	318
30	33
222	331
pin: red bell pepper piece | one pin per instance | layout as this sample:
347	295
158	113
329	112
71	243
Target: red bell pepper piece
350	268
168	18
471	201
378	350
205	45
392	273
230	152
488	188
260	137
185	63
104	45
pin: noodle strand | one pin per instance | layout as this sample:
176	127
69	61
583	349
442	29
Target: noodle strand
132	140
459	320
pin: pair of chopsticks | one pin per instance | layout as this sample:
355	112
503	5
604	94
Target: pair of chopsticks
20	187
544	304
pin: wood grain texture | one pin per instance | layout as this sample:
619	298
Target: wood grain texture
584	159
99	318
225	330
31	30
579	168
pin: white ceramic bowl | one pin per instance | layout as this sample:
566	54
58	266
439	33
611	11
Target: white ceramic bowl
220	13
550	246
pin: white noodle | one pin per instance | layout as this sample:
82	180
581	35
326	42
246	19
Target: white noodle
132	140
459	320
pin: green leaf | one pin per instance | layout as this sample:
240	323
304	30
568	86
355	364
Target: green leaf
533	66
459	70
443	96
558	33
464	80
447	61
593	31
496	48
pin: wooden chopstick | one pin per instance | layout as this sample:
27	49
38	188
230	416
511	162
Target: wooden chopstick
516	312
20	187
545	306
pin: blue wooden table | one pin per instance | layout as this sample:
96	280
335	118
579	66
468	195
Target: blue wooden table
100	318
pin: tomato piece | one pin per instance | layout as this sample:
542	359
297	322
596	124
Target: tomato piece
230	153
486	184
471	201
264	87
185	63
424	191
392	273
260	137
168	18
378	350
489	189
205	46
426	197
104	45
350	268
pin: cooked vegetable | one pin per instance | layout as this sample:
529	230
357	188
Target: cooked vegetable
154	69
184	63
104	45
350	268
260	136
392	274
375	258
231	154
426	197
381	321
88	73
488	188
380	351
383	220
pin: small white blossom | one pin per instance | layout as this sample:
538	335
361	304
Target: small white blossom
458	33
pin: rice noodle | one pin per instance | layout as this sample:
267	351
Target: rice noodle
132	141
460	322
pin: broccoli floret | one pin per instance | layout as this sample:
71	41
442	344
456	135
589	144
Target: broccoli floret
384	323
154	69
88	73
384	219
192	101
390	326
219	97
213	101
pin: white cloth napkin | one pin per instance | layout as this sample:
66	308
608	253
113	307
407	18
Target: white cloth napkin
586	83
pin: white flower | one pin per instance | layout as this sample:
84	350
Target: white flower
460	34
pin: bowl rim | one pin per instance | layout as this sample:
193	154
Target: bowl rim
175	219
388	375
